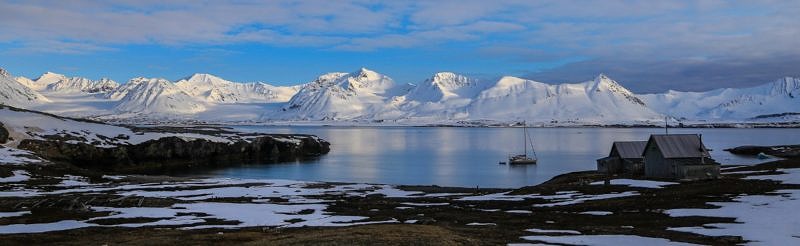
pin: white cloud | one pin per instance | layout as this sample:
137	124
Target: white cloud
634	33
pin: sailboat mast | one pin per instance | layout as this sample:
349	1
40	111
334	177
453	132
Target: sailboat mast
525	137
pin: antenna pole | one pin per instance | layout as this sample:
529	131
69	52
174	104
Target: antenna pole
666	125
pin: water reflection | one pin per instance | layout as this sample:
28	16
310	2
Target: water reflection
469	156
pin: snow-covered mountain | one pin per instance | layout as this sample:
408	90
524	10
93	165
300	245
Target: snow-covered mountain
57	83
341	96
447	96
154	96
443	96
213	89
45	80
730	104
78	84
366	95
601	100
16	94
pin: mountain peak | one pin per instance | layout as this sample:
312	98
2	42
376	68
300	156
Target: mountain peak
450	80
50	77
604	78
154	81
204	78
366	74
602	81
328	78
444	76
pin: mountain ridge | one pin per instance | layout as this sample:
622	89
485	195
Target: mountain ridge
367	95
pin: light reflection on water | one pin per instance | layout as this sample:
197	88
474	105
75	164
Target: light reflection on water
468	157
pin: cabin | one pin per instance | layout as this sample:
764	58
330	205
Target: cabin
678	156
625	157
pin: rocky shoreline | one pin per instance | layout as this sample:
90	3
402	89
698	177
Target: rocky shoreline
782	151
128	149
174	153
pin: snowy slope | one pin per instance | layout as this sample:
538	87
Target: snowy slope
341	96
154	96
601	100
15	94
443	96
45	80
730	104
82	85
23	124
26	81
52	83
213	89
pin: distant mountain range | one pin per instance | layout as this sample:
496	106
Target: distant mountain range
368	96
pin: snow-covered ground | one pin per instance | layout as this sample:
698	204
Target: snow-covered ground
16	156
762	219
295	207
234	203
611	240
17	176
19	125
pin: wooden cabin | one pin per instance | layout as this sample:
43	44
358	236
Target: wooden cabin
678	156
625	157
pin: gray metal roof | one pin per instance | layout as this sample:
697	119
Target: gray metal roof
631	149
679	145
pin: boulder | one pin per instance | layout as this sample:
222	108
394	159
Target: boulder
3	134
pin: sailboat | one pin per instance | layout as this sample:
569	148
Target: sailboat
524	158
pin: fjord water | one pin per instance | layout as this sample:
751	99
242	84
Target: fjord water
469	157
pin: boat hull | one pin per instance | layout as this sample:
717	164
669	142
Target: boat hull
520	162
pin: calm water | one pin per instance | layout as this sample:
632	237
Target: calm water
469	156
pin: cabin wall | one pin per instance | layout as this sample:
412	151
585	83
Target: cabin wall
609	165
655	165
633	166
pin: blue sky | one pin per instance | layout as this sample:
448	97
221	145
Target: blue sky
648	46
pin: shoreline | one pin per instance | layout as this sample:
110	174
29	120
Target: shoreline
781	125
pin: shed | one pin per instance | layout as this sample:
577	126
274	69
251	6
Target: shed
678	156
625	157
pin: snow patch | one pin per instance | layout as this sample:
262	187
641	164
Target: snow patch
760	218
600	240
17	176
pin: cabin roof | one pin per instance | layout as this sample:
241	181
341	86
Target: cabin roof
678	145
629	149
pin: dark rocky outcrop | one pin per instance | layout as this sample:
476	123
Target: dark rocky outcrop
174	153
3	134
784	151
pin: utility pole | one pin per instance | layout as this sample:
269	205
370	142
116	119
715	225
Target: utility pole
666	125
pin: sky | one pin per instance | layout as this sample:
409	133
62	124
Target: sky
647	46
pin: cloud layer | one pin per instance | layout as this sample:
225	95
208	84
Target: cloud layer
649	43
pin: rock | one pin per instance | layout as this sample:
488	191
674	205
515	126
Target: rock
783	151
3	134
174	153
